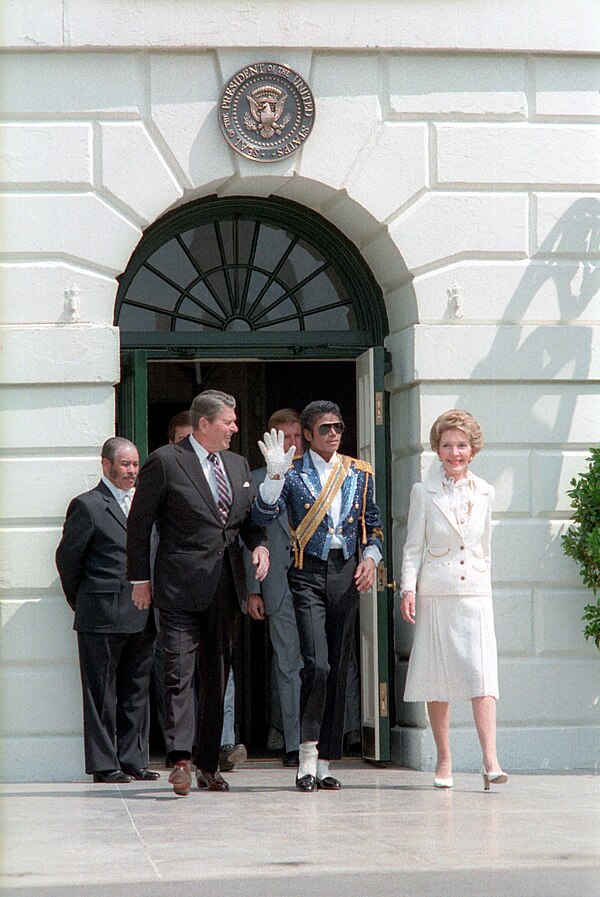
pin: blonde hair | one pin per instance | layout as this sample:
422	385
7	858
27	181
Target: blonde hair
457	419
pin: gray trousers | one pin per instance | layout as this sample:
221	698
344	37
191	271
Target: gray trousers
287	663
158	685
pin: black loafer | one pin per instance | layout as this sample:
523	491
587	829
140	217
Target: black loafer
111	777
329	784
291	759
306	783
230	755
142	775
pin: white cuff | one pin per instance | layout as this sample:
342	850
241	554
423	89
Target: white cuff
371	551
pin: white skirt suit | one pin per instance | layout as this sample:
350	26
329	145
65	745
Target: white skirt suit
446	562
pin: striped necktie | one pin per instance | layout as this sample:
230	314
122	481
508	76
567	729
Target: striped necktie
223	496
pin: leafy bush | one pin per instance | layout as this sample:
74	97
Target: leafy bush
582	541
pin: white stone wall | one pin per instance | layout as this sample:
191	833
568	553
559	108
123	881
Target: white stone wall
459	156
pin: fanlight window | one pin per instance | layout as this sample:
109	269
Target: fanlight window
238	273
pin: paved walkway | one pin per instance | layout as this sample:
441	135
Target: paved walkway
388	832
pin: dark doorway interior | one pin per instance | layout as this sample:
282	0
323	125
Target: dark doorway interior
260	388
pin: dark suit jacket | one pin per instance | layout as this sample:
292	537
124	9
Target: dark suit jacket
91	564
173	490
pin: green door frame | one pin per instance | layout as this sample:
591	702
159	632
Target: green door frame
132	399
385	610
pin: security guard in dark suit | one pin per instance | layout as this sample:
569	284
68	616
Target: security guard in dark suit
115	639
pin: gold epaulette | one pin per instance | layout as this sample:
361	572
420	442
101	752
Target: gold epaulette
363	465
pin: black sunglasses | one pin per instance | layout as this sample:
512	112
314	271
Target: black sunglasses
337	425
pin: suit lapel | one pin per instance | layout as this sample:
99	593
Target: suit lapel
112	505
190	462
283	522
440	500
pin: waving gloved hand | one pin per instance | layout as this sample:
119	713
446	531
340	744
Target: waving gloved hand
278	461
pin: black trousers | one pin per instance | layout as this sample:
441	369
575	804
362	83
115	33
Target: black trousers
115	679
198	641
325	603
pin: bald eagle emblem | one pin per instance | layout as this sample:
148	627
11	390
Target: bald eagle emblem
266	105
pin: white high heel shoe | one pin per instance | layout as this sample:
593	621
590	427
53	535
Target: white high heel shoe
443	783
497	778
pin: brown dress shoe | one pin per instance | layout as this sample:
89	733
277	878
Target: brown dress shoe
181	778
211	781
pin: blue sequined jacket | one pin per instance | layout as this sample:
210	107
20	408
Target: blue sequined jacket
360	520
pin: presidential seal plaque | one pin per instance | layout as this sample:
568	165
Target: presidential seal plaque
266	111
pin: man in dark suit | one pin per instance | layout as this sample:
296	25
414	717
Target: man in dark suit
115	639
201	496
231	754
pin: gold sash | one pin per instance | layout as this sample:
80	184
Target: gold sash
310	523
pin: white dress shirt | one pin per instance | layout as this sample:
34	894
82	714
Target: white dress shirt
324	469
460	496
123	496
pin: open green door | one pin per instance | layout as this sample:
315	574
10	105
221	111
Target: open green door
132	405
375	606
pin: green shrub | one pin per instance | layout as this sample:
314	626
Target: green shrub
582	541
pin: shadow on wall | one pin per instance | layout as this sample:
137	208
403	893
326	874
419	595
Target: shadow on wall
566	259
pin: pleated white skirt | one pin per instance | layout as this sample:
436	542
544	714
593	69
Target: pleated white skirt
454	655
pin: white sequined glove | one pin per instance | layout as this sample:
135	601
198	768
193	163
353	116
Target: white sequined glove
278	462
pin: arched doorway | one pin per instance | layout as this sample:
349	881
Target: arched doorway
267	300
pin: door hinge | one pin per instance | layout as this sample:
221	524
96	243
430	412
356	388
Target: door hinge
383	699
378	408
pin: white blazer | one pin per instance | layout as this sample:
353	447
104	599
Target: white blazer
440	556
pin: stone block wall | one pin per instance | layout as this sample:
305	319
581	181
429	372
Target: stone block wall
459	155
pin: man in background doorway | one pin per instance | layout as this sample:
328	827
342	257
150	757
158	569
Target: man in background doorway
114	638
271	600
179	427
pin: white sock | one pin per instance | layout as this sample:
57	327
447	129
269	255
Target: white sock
322	768
308	759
